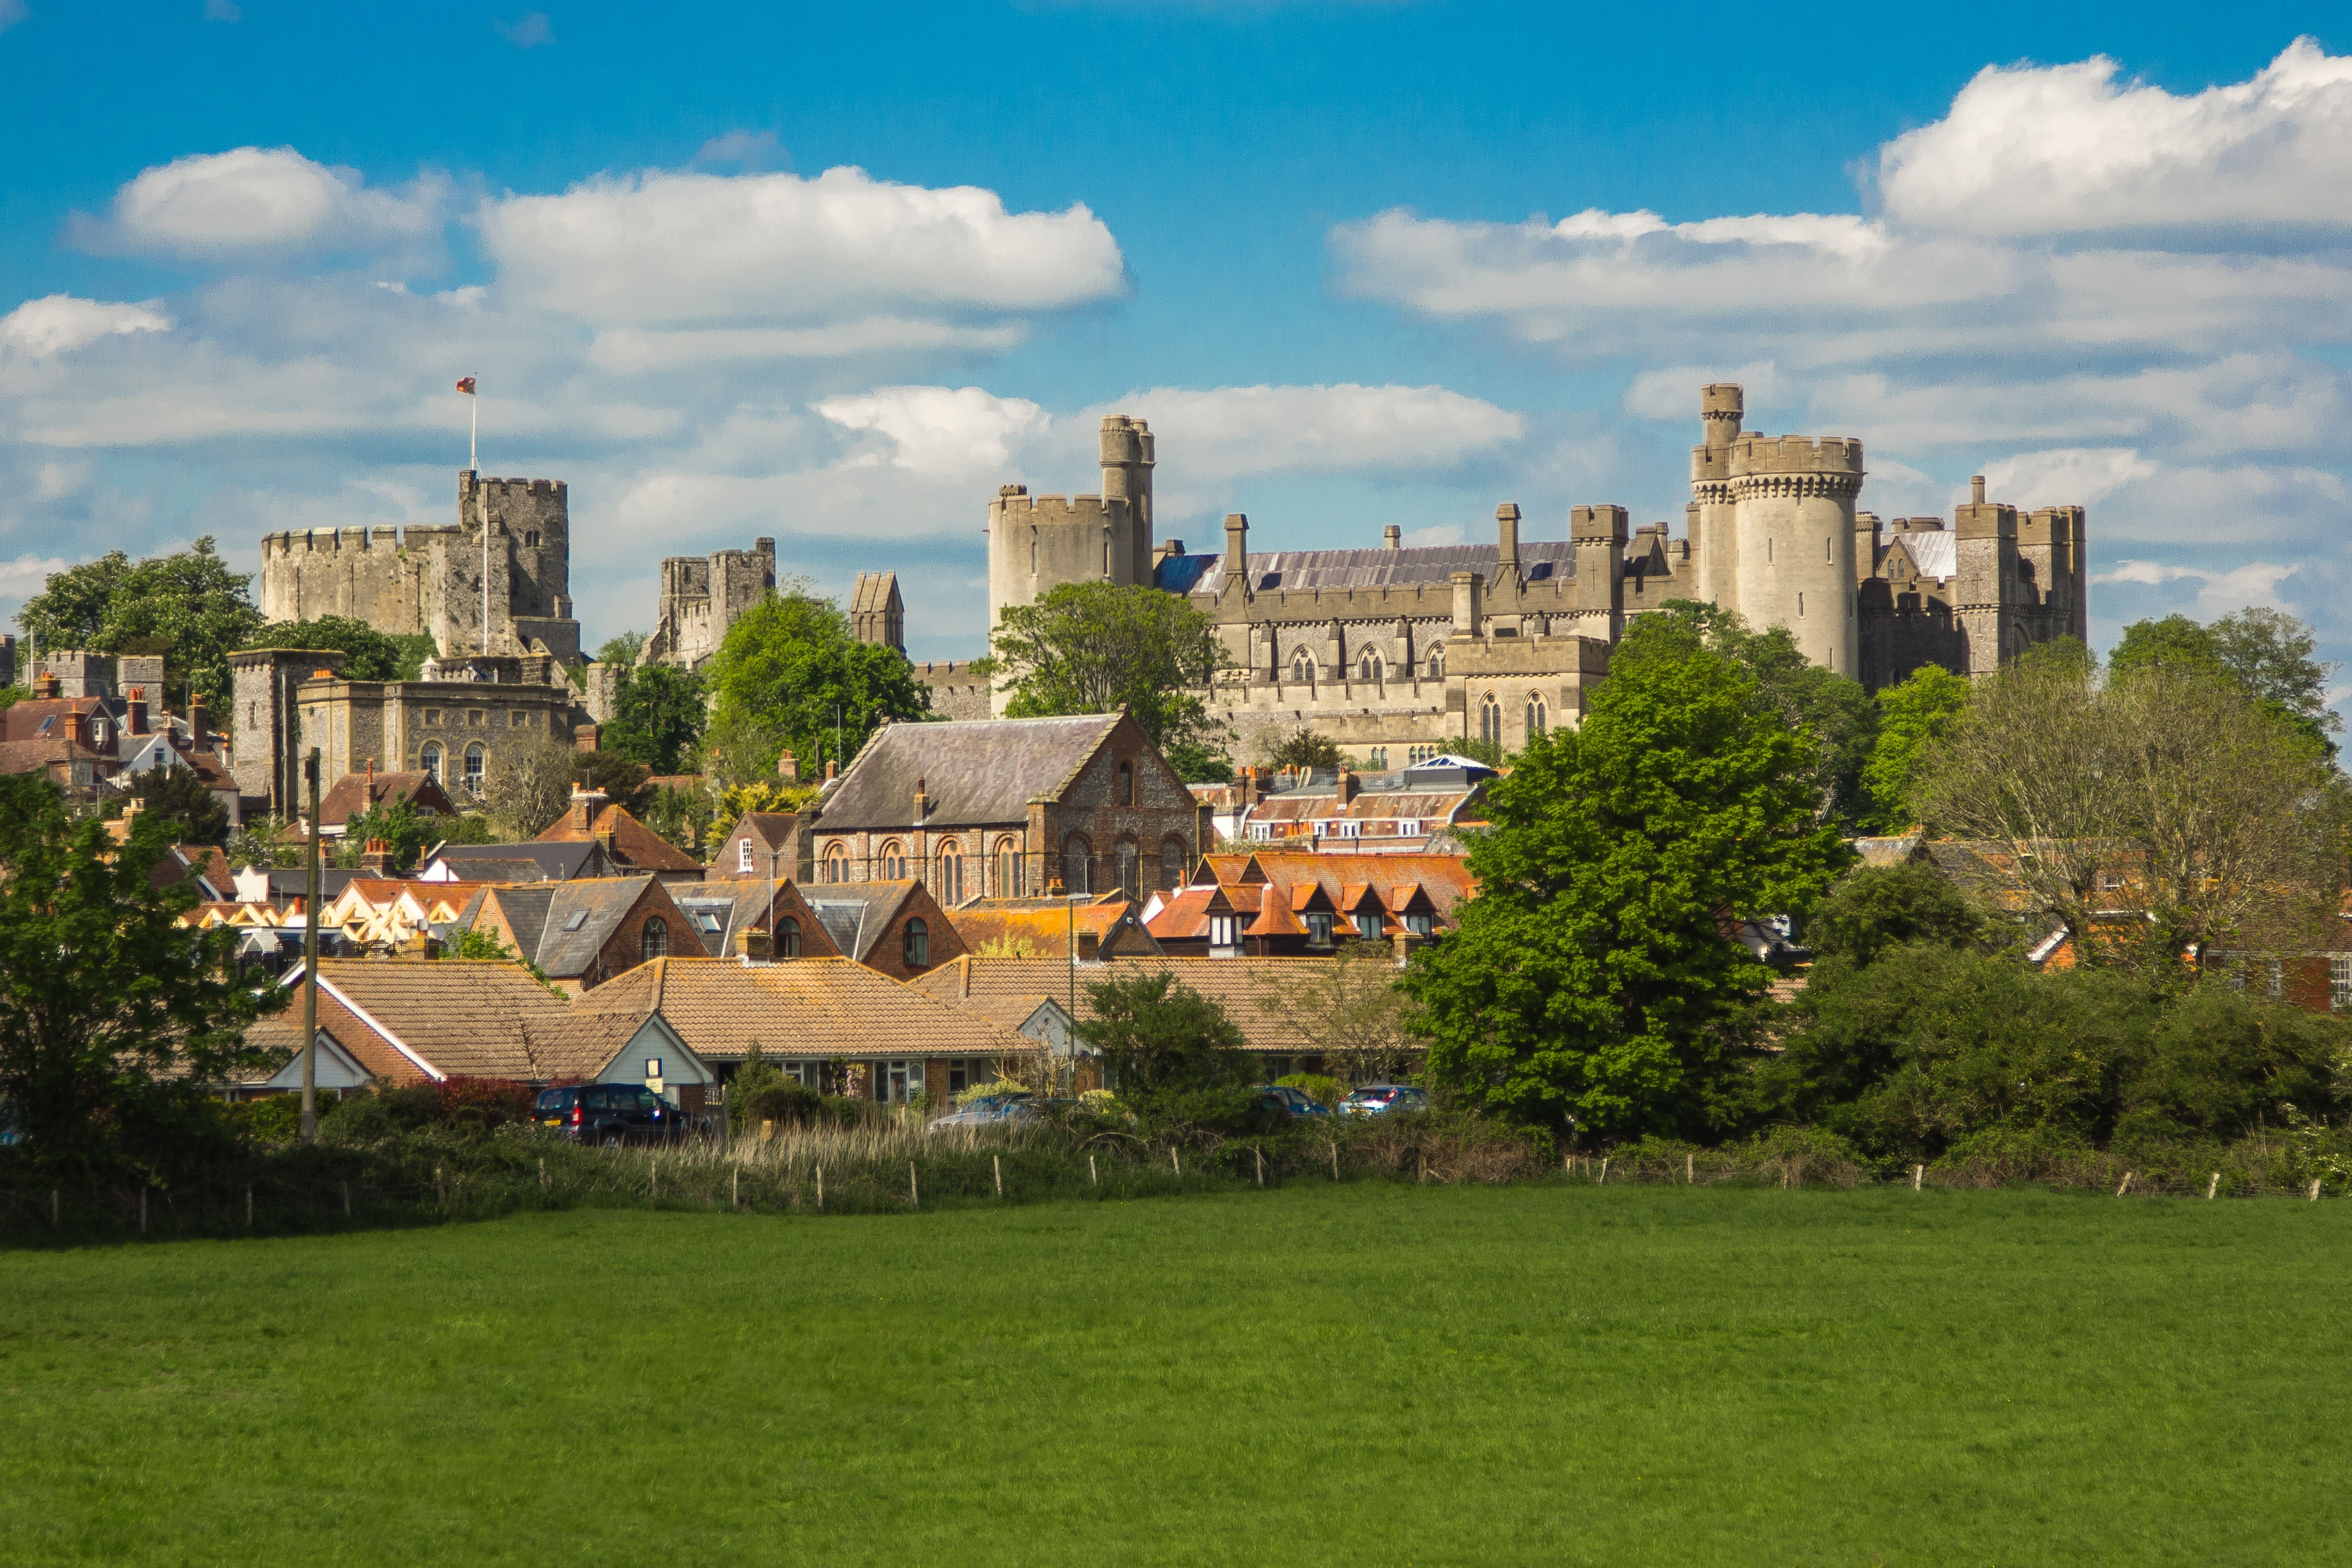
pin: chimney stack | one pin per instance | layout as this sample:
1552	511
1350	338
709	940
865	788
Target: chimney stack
1392	536
376	858
831	769
45	685
788	768
77	727
1348	784
134	711
584	739
922	804
196	723
1976	489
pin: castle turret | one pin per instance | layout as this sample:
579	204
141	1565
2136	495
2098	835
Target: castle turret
1599	535
1792	498
1984	579
1715	539
1127	464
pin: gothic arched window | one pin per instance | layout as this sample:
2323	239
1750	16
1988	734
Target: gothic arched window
653	941
1008	868
1077	854
894	862
951	874
433	761
836	863
1535	716
1436	664
1127	858
1490	720
1302	667
1369	669
475	761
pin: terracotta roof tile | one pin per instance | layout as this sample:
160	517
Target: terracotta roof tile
1244	987
458	1015
802	1007
633	844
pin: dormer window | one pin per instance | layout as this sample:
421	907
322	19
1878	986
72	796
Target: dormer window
1223	930
1319	928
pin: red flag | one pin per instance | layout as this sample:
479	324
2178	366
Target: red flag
466	386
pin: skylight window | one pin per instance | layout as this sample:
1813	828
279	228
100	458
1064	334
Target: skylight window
579	918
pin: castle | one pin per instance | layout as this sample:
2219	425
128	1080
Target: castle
1399	653
701	596
496	582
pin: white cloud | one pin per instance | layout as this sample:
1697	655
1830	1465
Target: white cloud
941	431
1231	432
750	150
2253	584
682	248
626	350
2069	476
260	199
13	12
1430	538
28	574
2068	149
60	323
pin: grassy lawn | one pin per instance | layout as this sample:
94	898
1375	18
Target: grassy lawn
1365	1373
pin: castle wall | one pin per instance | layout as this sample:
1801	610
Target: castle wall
1794	499
702	597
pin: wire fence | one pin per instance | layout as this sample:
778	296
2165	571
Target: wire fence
900	1167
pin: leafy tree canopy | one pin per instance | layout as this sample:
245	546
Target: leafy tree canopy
657	718
1159	1036
110	1012
1833	708
624	649
1877	908
405	831
189	607
1095	648
1302	748
1592	979
368	654
178	794
791	676
2264	653
1914	712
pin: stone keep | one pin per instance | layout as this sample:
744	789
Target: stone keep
702	596
428	578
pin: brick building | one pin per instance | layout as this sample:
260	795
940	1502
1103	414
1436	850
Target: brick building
581	933
1008	808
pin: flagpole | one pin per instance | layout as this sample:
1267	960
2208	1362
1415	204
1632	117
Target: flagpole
474	437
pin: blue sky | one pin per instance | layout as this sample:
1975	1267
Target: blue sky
833	273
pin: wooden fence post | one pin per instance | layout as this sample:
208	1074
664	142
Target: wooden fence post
1261	1170
2212	1187
1602	1179
248	1208
53	1208
1176	1160
1690	1170
820	1189
2126	1185
542	1173
1092	1174
997	1162
143	1211
915	1190
1335	1159
1918	1173
735	1188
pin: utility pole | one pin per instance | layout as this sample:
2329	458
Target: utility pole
311	959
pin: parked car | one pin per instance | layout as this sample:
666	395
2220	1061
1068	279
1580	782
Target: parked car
985	1111
611	1114
1294	1102
1382	1098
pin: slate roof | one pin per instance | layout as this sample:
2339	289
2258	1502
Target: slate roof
810	1006
562	926
455	1016
523	862
356	793
975	772
736	905
1244	987
1540	560
634	846
37	756
857	914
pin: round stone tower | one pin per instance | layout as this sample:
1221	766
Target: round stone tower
1036	543
1793	498
1721	406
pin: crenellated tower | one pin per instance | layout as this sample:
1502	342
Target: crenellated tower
1792	504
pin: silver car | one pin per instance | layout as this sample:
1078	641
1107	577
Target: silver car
986	1111
1382	1098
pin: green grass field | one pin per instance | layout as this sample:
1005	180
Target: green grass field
1364	1373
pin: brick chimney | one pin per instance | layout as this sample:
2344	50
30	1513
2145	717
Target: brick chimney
922	804
585	805
77	727
584	737
1249	786
45	685
376	858
197	721
134	709
788	768
751	945
831	769
1348	784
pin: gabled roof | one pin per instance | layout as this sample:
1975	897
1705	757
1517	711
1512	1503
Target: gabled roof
636	847
1048	925
974	772
1249	989
356	793
523	862
856	915
809	1008
444	1018
1540	560
735	906
581	916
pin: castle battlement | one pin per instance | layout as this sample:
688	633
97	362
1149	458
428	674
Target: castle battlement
1795	455
1056	511
381	536
502	489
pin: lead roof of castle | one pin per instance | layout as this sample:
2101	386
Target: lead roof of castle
1937	554
974	771
1433	565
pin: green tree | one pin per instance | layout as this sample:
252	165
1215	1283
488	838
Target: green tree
1302	748
188	606
658	716
268	842
1592	979
2264	653
403	829
178	794
111	1013
1914	712
1833	708
789	675
627	782
2176	644
1875	909
368	654
622	649
1158	1036
1096	647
